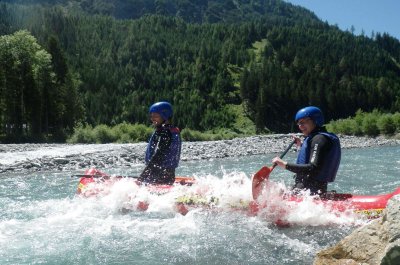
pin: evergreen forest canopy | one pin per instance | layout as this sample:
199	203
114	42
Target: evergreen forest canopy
191	11
218	62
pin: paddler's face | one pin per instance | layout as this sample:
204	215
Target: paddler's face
306	126
156	119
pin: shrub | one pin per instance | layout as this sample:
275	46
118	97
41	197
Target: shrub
190	135
193	135
386	124
396	121
82	134
142	132
360	115
369	126
223	134
103	134
345	126
131	133
122	133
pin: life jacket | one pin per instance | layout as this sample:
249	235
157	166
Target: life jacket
172	157
332	161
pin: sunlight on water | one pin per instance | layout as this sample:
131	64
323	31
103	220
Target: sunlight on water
43	222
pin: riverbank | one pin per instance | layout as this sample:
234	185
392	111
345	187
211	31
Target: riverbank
69	157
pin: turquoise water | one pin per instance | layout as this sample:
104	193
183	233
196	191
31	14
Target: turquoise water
43	222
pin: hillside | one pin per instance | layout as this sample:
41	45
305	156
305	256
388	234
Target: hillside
274	59
191	11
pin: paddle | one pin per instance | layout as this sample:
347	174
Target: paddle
263	174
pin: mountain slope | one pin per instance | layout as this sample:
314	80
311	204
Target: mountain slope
203	68
191	11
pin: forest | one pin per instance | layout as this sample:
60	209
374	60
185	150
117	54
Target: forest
222	64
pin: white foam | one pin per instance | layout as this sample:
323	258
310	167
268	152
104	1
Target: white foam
306	211
231	192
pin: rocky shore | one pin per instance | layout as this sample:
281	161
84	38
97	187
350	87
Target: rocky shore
68	157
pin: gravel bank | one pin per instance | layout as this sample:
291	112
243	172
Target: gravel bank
67	157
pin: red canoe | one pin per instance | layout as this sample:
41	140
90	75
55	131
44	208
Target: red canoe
370	205
96	183
95	176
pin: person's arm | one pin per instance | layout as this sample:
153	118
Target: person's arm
164	142
319	147
162	145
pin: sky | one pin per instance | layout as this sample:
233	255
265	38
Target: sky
368	15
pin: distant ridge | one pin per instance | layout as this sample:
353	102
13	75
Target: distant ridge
191	11
230	67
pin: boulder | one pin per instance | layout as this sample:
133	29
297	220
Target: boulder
377	243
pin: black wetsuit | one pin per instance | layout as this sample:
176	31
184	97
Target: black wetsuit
320	146
156	170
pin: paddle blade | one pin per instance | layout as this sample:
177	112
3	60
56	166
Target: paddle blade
258	180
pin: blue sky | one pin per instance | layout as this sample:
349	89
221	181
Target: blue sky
368	15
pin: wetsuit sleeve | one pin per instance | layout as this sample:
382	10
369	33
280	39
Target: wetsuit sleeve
163	144
320	146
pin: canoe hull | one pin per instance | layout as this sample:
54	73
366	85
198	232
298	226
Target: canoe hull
371	206
281	207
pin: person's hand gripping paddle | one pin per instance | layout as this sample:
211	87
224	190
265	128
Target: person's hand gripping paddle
263	174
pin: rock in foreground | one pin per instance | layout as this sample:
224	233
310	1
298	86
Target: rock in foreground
373	244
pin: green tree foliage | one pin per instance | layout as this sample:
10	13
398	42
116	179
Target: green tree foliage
386	124
367	123
125	66
336	71
32	104
389	44
198	55
192	11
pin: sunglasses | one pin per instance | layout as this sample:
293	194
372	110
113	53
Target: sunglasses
303	122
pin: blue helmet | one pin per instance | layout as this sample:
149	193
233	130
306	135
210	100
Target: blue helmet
311	112
163	108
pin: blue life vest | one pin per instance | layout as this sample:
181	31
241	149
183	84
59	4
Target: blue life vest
172	157
332	161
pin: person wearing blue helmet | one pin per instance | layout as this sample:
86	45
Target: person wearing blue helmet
164	147
320	153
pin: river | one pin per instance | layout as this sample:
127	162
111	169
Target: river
42	221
